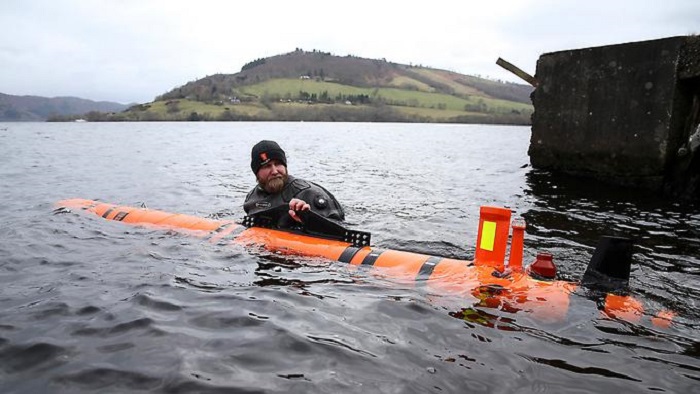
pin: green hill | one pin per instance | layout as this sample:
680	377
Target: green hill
318	86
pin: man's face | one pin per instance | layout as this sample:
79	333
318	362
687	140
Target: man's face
272	176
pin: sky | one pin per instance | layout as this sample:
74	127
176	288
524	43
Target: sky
130	51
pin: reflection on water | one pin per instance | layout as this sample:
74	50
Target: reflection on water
88	305
570	214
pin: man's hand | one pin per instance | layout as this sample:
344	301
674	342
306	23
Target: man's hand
297	205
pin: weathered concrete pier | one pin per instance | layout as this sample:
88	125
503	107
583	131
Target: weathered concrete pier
627	113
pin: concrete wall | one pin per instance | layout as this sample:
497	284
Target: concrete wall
619	112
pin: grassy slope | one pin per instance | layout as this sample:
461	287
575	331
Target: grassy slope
404	82
419	99
446	78
424	105
435	106
397	93
187	107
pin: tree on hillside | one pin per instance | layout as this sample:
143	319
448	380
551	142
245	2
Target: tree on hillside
254	63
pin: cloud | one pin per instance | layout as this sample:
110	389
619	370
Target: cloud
134	50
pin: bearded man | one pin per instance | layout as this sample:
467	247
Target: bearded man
276	189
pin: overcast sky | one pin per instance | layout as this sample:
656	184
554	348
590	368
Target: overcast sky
133	50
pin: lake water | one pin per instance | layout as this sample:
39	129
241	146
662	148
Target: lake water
88	305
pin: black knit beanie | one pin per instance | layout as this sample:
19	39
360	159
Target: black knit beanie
263	152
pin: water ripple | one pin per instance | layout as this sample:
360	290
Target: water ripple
88	305
102	378
18	358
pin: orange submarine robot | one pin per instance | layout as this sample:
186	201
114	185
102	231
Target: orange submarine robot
488	279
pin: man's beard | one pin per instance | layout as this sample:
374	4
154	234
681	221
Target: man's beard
274	185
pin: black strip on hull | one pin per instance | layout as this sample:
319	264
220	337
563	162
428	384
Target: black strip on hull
120	216
371	258
348	254
427	268
107	213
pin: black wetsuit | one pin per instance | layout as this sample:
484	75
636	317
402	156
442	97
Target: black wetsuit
260	202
